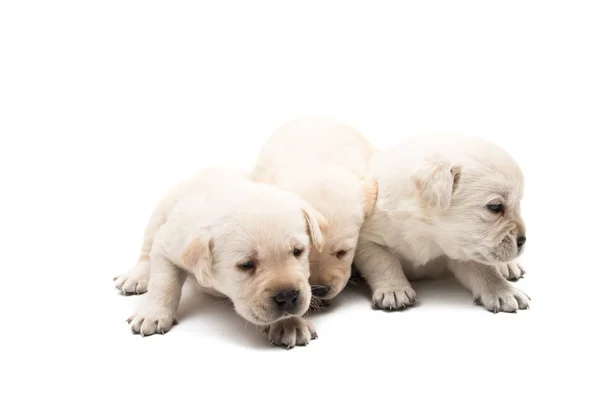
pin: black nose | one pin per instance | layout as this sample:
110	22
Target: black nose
286	300
521	241
319	290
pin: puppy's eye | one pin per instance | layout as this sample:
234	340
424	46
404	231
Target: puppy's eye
496	207
248	265
297	252
340	254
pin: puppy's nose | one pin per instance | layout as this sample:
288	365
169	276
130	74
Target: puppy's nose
319	290
286	300
521	241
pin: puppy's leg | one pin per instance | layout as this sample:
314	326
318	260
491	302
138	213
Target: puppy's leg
135	281
291	332
383	272
158	311
512	271
489	287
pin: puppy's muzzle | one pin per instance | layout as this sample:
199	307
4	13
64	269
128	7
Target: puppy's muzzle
287	300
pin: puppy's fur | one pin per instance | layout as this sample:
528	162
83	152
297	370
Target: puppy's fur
434	213
324	161
209	227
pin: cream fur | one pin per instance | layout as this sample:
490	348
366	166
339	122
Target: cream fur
206	228
432	216
324	161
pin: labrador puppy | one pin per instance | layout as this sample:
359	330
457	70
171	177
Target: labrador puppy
446	203
243	240
324	161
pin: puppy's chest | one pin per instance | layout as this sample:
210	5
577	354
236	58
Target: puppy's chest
417	250
411	242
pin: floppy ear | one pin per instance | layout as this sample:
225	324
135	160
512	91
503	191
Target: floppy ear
317	224
371	191
197	258
437	183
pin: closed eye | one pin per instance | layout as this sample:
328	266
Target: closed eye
247	265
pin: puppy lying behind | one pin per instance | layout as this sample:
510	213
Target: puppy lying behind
244	240
445	202
324	162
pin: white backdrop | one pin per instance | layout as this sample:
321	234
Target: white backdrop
104	105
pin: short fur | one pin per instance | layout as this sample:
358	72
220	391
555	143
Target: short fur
206	228
324	161
432	215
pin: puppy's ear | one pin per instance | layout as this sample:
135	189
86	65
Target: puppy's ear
317	224
197	258
371	192
437	183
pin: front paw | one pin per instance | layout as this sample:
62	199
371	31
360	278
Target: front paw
291	332
505	299
152	321
512	271
134	281
394	298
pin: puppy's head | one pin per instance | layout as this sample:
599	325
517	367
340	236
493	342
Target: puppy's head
345	201
258	255
472	195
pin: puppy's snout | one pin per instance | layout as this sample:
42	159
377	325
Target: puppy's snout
286	300
521	241
320	290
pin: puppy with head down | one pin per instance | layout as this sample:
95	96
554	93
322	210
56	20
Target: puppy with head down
324	162
446	202
239	239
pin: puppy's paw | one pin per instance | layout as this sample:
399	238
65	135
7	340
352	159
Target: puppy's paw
504	299
291	332
152	321
134	281
394	298
512	271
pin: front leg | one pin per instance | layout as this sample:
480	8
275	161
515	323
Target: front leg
290	332
157	312
489	287
383	272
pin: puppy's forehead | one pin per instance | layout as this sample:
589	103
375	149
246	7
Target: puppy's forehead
259	242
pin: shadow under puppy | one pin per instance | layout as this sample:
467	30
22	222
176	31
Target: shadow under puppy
324	162
446	202
240	239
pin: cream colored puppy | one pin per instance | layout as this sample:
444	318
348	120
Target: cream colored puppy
445	202
324	161
240	239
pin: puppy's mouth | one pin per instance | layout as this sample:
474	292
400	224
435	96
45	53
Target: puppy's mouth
266	314
504	252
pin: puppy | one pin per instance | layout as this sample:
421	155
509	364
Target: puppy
446	202
239	239
324	162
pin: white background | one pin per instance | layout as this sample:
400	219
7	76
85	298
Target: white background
104	105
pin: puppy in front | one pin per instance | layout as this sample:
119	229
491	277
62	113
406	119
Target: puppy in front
246	241
324	161
446	203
